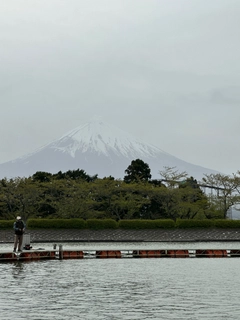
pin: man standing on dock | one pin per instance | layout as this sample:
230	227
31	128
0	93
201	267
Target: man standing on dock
19	228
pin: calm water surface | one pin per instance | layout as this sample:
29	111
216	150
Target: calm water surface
114	289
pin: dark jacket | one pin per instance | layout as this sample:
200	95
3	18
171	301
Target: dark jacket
19	227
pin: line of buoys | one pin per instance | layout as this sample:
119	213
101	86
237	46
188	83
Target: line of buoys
178	253
80	254
27	255
71	254
108	254
7	256
160	253
149	253
38	255
211	253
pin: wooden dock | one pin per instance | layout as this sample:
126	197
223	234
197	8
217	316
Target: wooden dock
61	254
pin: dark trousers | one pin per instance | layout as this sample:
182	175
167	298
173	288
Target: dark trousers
18	241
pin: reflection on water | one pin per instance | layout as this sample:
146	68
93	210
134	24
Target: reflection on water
18	270
125	289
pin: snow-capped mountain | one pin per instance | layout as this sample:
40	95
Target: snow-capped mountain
97	148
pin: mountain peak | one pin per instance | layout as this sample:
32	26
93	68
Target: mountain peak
97	148
103	138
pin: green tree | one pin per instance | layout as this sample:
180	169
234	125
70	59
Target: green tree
137	171
19	196
192	201
42	176
177	198
75	175
226	189
8	203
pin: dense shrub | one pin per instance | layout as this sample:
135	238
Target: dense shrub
190	223
164	223
56	223
6	224
122	224
136	224
221	223
146	224
101	224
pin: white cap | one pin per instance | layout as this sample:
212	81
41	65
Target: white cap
19	218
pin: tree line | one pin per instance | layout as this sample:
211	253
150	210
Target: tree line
75	194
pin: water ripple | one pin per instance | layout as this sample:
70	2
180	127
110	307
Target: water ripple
90	289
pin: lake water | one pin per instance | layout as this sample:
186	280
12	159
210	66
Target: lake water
114	289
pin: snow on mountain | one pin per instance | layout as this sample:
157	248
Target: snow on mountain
97	148
102	138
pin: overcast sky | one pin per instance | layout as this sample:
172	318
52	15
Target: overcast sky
166	71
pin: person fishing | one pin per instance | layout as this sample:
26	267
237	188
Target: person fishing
19	229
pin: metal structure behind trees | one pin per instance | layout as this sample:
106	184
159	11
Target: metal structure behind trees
198	183
203	187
